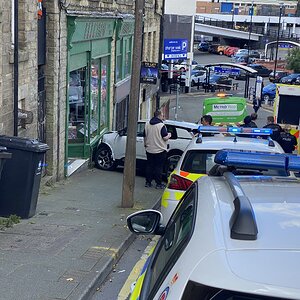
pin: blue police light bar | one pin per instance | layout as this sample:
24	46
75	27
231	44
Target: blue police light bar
294	163
258	160
235	130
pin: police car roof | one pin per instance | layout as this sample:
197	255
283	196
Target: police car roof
268	265
220	141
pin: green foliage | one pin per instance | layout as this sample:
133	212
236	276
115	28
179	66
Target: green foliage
293	60
9	222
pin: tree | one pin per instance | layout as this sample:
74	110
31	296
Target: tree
293	60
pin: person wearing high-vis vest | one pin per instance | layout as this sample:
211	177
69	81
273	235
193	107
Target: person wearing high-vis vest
155	142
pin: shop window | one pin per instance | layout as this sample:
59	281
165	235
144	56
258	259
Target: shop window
119	61
95	87
122	113
127	65
104	93
77	126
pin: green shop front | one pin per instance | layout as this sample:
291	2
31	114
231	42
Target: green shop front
88	93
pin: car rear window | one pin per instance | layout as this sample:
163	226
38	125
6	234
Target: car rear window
201	161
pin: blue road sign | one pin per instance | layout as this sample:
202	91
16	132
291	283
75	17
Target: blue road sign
232	71
175	49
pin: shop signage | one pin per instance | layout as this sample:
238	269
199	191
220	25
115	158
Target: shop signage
149	72
175	49
92	29
230	71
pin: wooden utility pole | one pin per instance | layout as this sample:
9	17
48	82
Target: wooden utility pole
130	158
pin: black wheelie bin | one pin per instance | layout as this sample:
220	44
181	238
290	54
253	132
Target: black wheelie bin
21	176
3	157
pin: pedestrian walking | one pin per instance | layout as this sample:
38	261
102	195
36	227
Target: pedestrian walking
287	141
276	128
155	142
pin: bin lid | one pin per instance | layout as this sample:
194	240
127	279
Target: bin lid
21	143
5	155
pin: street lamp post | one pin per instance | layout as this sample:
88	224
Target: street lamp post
250	28
277	41
232	18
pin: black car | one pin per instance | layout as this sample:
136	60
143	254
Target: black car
203	46
213	48
290	79
219	81
261	70
278	76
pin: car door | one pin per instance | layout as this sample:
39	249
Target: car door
140	149
170	250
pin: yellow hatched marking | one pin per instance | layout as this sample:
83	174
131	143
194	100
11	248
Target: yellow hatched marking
133	276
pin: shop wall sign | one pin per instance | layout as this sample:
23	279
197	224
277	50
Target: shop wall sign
149	72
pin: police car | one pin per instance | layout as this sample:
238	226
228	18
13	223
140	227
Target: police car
198	158
231	237
111	149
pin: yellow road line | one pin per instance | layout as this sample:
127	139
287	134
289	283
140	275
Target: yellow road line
134	274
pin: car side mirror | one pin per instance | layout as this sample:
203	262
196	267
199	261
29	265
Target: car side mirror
145	222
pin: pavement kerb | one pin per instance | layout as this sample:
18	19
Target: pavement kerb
88	286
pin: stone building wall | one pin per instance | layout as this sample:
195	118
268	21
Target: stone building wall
56	65
27	67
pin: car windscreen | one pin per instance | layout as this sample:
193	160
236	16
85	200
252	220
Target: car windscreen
201	161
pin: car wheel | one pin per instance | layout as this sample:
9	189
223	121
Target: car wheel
103	159
171	162
221	53
266	98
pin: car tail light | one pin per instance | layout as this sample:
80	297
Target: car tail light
179	183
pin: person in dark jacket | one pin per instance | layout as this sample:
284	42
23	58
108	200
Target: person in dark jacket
276	128
287	141
155	142
248	123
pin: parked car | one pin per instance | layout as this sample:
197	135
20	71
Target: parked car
111	149
241	76
254	54
231	237
297	80
240	58
182	66
261	70
213	48
198	159
203	46
278	76
290	79
229	51
197	77
221	49
242	51
269	92
220	80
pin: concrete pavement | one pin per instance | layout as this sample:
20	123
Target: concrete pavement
78	233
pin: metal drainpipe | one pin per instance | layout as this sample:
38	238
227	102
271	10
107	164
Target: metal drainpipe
16	66
161	45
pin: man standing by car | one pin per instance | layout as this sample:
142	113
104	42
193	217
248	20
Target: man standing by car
276	128
155	141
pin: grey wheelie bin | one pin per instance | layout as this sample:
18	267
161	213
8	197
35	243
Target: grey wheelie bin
21	176
3	157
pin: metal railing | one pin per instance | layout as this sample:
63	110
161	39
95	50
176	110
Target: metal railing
245	27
